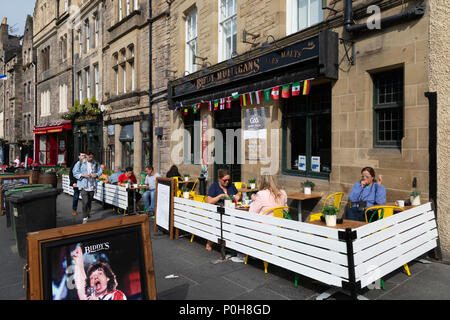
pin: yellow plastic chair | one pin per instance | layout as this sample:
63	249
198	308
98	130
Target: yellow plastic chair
336	202
179	192
240	185
383	211
278	213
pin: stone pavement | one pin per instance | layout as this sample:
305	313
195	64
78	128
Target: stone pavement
201	275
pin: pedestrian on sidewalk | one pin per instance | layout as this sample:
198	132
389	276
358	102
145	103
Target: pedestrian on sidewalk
149	195
87	172
73	183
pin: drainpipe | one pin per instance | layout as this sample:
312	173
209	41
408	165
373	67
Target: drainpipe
150	91
408	15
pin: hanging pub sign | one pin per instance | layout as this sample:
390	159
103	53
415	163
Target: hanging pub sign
322	47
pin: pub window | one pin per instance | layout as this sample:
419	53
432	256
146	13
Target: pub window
190	122
307	133
388	108
301	14
127	139
227	29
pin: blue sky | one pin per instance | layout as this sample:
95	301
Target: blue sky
16	11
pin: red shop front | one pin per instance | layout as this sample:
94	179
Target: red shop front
53	143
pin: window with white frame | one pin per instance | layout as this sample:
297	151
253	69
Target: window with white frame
97	80
132	68
136	4
128	7
301	14
63	98
45	103
191	41
88	83
227	29
88	35
96	30
120	10
80	87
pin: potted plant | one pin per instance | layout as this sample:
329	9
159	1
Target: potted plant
307	186
228	201
187	176
185	192
414	197
252	183
330	213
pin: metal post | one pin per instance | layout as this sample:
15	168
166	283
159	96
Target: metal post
349	236
221	211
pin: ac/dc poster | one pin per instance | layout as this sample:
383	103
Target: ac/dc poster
105	266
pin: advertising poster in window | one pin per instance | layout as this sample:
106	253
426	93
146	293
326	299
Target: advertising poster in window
302	163
255	133
315	164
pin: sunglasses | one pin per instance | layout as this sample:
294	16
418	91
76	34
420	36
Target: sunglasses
226	180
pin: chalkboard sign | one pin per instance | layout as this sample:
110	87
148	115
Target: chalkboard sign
165	191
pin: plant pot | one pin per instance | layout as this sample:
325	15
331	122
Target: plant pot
252	186
228	204
186	178
186	195
307	190
330	220
415	201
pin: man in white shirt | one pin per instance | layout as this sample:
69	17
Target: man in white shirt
149	195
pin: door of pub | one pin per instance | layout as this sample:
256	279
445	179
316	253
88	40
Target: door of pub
228	119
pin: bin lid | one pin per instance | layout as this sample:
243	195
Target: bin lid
27	187
29	195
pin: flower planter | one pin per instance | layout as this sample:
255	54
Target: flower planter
307	190
330	220
186	195
228	204
186	178
415	201
252	186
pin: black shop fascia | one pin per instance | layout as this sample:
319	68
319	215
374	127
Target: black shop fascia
312	58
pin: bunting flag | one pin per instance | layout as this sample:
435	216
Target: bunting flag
185	111
228	102
210	106
216	104
243	100
222	103
296	88
258	97
267	93
275	93
235	95
306	87
250	99
195	108
285	92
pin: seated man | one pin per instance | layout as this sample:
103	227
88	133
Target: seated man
114	178
129	177
149	195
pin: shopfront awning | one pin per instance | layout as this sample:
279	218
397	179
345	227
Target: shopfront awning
315	57
53	128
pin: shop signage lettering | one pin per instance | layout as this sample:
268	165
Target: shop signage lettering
293	54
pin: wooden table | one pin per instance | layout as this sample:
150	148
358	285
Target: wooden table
300	196
344	225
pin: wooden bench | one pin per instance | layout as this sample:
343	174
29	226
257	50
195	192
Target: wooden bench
116	196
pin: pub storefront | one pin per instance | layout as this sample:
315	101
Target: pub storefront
53	144
287	89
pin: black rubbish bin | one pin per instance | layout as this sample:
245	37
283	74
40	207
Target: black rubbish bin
5	205
33	210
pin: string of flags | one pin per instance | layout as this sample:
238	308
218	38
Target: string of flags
255	97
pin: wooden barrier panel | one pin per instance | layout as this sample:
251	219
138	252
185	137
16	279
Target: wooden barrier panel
387	244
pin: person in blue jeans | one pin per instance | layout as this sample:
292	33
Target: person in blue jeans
73	183
149	195
369	190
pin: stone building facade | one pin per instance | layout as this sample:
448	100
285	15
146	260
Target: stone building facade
369	111
26	143
10	93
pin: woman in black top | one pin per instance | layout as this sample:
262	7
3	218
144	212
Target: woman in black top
173	172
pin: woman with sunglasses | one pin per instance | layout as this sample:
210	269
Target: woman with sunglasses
223	187
365	193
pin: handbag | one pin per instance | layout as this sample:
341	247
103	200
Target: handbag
356	212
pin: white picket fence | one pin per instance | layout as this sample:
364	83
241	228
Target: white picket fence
387	244
112	194
317	252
